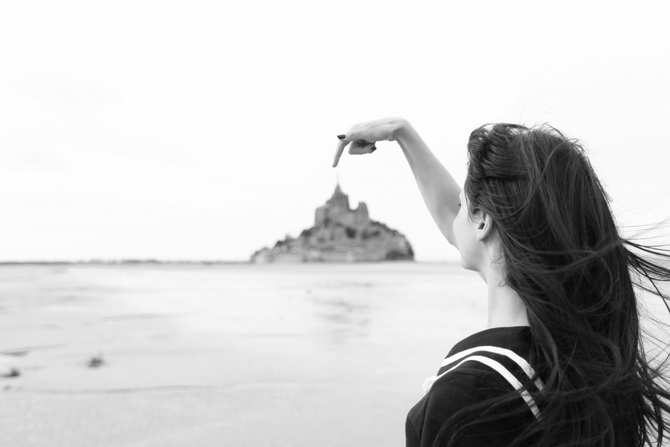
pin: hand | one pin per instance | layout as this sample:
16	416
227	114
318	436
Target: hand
363	136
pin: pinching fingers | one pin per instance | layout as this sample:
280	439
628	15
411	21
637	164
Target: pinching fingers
360	147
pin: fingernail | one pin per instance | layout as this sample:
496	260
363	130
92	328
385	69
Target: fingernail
341	137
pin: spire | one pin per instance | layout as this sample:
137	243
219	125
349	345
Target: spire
338	190
339	199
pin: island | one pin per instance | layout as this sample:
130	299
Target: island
340	234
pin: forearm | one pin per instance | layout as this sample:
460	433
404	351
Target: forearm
439	189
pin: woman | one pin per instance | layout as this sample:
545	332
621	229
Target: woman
561	363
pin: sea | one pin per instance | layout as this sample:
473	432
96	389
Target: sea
225	354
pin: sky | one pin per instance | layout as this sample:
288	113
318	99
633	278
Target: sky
205	130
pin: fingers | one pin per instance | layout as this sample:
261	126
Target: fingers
358	147
340	149
361	147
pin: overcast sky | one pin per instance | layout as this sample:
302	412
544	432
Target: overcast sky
206	129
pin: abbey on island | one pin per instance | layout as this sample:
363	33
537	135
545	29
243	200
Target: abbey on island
340	234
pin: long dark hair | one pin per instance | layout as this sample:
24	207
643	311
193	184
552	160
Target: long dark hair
577	276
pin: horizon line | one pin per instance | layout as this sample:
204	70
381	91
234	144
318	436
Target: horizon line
180	261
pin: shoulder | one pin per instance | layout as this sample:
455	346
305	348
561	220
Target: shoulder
487	367
467	385
470	383
447	396
457	402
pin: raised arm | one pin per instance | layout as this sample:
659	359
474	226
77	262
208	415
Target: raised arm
439	189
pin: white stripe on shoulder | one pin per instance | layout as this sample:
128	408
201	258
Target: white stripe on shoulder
523	364
501	370
512	381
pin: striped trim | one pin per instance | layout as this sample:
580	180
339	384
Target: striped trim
504	372
523	364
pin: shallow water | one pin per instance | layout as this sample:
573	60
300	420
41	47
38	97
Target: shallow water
244	355
250	354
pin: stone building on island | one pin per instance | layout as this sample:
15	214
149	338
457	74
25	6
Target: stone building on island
340	234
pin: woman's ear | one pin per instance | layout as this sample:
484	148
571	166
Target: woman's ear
484	225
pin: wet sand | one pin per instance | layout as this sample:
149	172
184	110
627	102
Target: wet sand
243	355
224	355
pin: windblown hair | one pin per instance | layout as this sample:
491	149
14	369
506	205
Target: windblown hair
578	279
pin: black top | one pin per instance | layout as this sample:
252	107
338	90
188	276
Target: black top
484	365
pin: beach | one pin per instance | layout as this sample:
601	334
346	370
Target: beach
245	355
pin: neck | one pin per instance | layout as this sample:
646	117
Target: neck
505	307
